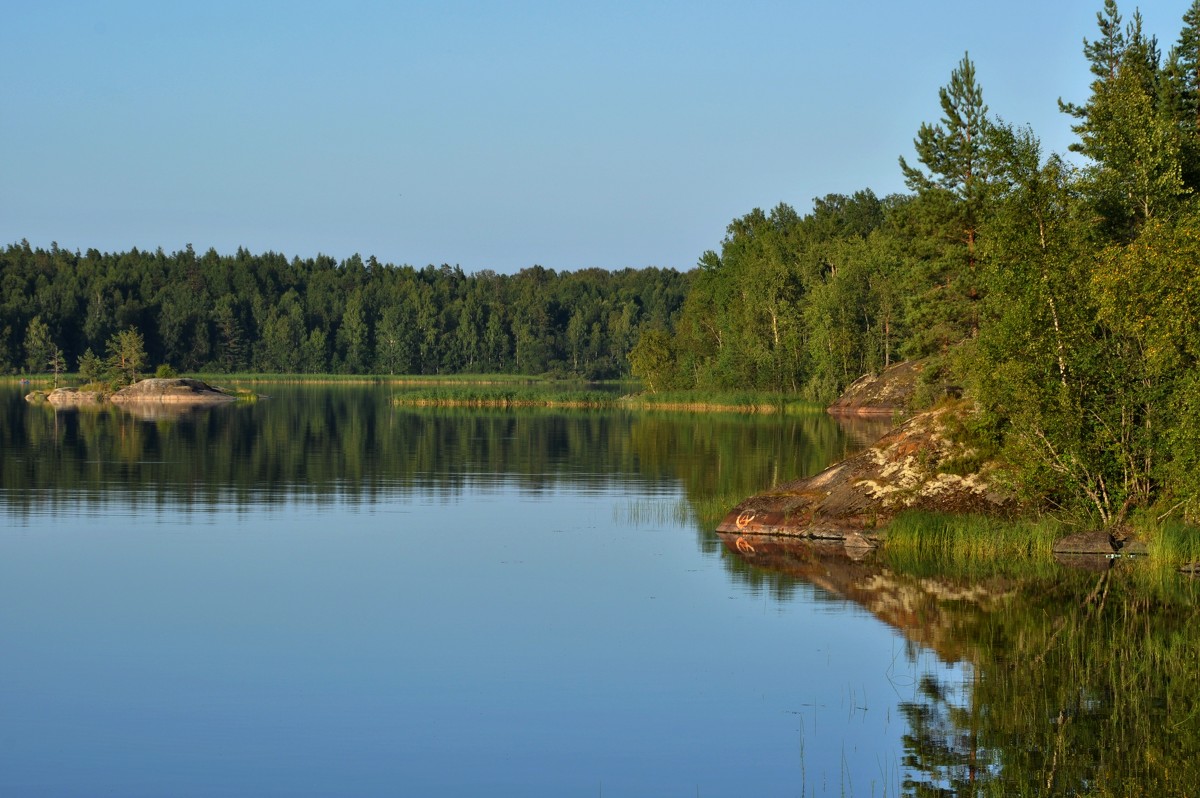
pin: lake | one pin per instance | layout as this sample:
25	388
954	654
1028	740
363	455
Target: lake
324	594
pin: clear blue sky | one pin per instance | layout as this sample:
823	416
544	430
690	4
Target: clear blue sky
491	135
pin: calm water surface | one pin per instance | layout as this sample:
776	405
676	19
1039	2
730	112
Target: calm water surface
322	594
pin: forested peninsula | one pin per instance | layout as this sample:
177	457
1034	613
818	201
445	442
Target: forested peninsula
1056	293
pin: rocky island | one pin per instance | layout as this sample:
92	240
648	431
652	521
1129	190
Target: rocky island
175	391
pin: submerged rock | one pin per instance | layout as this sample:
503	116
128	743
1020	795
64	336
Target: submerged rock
177	390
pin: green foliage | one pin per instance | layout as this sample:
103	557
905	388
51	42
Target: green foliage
208	312
652	360
39	348
91	368
126	356
165	371
801	305
1138	128
7	362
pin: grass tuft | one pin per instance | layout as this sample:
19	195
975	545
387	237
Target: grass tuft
922	540
1171	543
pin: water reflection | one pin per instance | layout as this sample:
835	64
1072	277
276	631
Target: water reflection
1072	683
415	589
307	443
322	594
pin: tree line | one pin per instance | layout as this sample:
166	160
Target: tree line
1060	293
266	313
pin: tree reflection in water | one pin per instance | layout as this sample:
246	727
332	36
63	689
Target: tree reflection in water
1079	683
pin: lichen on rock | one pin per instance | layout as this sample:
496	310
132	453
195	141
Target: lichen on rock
175	390
864	492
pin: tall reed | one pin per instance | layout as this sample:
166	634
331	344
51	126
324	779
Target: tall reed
940	541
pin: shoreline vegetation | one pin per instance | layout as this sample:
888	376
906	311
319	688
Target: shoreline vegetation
914	539
179	391
502	391
683	401
930	490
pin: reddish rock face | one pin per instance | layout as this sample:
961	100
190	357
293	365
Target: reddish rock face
884	394
862	494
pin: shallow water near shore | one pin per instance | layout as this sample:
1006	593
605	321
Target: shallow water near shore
324	594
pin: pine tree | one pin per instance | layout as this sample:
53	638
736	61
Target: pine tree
952	190
91	367
1182	80
1105	53
126	355
954	151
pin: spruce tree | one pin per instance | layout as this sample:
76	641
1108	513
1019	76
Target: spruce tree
1182	81
1130	128
39	347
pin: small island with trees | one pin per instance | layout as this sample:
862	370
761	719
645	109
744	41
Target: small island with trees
117	378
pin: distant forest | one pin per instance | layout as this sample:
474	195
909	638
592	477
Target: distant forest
1060	295
266	313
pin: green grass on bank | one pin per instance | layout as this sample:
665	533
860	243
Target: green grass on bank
486	396
929	543
936	543
759	402
1169	541
71	378
566	395
503	391
430	380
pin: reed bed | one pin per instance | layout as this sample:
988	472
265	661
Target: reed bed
740	401
935	537
1171	543
484	396
557	396
425	380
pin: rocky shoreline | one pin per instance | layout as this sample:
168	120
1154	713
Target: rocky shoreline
917	465
886	394
177	391
910	468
